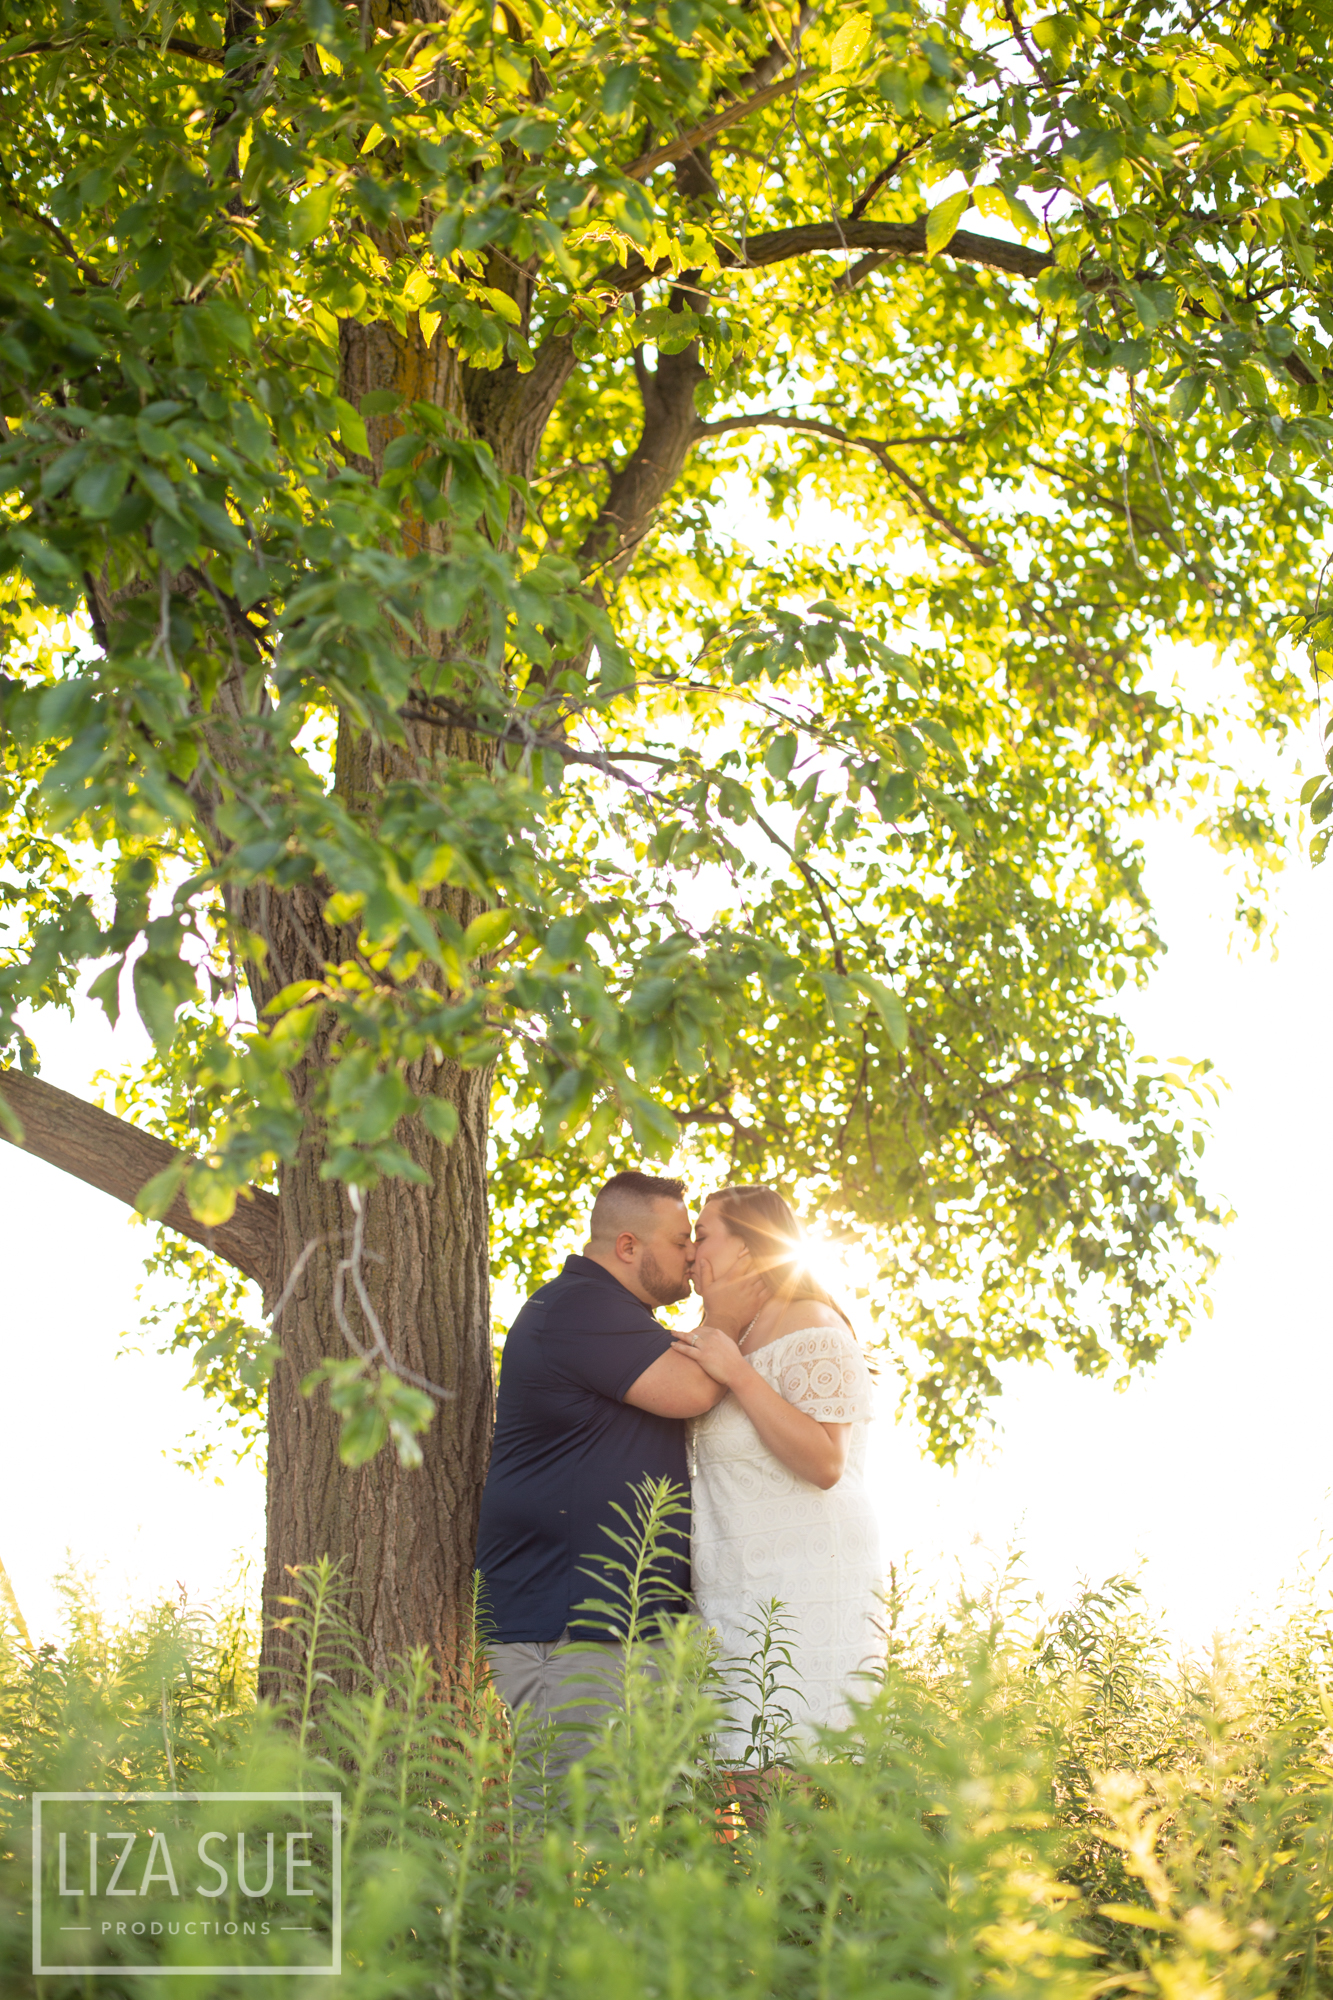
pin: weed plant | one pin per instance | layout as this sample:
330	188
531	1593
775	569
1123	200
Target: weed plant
1024	1806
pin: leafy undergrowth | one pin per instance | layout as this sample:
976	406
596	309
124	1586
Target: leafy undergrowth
1025	1806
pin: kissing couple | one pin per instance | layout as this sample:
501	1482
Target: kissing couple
758	1415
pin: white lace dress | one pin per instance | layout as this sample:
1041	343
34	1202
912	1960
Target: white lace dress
762	1532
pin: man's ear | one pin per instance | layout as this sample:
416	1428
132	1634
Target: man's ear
625	1246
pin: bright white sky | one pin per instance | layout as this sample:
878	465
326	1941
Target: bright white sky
1214	1471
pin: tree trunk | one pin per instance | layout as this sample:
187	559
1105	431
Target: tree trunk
405	1537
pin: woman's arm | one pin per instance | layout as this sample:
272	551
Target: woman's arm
813	1451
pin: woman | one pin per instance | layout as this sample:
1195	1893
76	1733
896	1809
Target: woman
777	1467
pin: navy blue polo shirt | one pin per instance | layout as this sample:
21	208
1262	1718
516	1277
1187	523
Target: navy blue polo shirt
567	1449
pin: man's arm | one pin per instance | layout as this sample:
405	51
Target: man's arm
674	1387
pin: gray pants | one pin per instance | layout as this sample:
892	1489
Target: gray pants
558	1693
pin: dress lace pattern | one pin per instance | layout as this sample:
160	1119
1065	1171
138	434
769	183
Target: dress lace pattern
761	1532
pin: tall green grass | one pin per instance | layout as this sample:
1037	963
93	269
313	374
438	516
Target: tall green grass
1026	1805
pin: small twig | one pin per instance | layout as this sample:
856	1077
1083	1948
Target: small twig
879	449
1020	36
307	1252
162	643
885	174
351	1266
1129	511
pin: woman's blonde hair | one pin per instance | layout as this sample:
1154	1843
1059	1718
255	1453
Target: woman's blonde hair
773	1237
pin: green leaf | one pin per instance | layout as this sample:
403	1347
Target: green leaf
365	1426
896	797
440	1119
162	983
848	43
310	215
99	486
232	323
943	220
619	89
106	990
408	1412
1314	149
655	1130
837	993
888	1005
1022	217
351	428
780	756
211	1195
1154	304
1090	157
1187	395
1131	355
487	932
157	1195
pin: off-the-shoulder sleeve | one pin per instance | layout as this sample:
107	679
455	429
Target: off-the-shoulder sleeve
824	1373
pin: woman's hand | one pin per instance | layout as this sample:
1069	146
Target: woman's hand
731	1302
715	1351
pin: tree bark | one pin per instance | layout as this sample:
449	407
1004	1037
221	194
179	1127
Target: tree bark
405	1538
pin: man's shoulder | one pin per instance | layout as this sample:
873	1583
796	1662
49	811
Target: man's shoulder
583	1298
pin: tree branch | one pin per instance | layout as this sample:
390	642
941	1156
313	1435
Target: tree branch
902	239
882	178
787	420
195	51
111	1154
670	421
878	448
732	114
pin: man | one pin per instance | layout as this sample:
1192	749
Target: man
593	1401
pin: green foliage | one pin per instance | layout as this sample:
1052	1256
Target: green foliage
1042	1805
815	854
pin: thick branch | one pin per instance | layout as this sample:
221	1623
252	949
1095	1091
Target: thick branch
670	423
111	1154
904	239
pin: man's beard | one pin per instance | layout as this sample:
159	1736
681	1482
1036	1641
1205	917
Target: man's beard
662	1290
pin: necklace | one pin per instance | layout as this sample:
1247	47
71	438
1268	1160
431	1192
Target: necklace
740	1344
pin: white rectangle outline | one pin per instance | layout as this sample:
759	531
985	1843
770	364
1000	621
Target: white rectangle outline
333	1971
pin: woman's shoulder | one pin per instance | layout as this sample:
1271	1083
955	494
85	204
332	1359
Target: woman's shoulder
812	1316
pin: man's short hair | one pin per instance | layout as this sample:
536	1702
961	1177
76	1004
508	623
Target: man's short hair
626	1202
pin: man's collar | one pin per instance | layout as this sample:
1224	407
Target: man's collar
588	1267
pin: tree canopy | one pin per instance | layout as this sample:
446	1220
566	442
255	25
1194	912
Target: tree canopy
644	531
